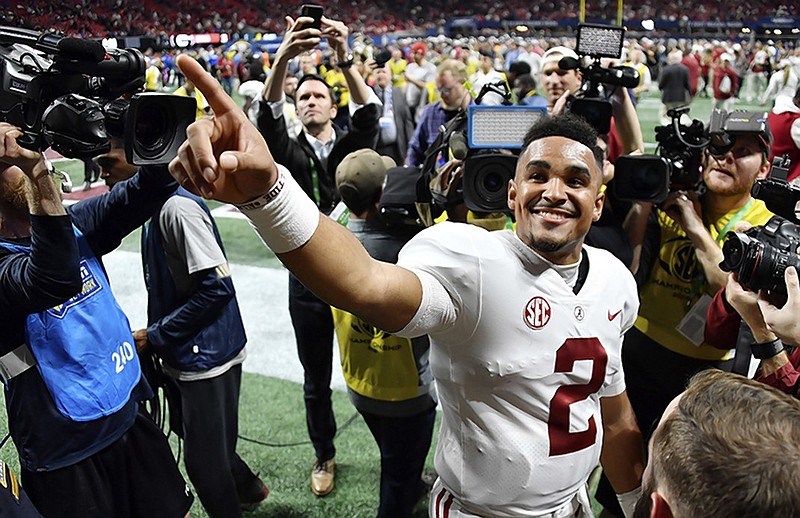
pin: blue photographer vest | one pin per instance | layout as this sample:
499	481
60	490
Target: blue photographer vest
223	337
84	348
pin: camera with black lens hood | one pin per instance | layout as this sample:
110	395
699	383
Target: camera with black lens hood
595	42
487	138
678	164
73	95
760	256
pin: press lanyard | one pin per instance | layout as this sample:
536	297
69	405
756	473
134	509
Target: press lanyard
314	179
699	279
734	220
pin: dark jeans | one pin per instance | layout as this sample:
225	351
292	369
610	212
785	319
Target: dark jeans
313	329
210	430
404	443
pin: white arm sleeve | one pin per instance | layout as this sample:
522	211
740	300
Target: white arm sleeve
436	311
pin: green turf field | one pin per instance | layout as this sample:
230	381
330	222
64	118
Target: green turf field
271	410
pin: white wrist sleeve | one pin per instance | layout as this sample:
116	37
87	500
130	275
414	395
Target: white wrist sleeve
436	310
284	217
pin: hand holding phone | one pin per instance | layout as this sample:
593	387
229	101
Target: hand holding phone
314	12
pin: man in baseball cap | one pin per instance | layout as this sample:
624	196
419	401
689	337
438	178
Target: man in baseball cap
556	80
359	179
388	377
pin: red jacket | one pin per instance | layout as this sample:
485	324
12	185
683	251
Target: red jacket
781	125
722	330
719	73
691	62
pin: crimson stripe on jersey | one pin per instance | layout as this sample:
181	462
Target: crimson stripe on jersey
447	505
439	501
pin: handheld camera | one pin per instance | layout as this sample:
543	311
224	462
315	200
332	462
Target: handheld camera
65	93
594	43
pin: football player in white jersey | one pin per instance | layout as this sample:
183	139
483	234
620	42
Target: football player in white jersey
526	327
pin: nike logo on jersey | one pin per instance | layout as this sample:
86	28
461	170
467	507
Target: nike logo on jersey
612	316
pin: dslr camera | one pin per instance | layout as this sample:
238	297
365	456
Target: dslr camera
760	256
595	42
487	138
678	164
73	94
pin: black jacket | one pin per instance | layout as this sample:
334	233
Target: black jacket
299	158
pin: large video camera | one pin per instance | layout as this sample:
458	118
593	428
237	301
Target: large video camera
761	255
66	93
679	162
594	43
487	139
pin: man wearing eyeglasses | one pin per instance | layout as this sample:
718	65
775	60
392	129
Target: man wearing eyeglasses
450	78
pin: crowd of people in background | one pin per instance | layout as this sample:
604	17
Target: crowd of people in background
87	19
330	124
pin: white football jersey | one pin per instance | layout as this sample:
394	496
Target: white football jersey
521	371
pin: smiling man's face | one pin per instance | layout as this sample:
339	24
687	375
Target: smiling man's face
555	196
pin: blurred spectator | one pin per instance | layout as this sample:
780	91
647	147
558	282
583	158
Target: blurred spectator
674	85
692	63
485	74
418	73
784	121
188	90
726	82
396	122
450	78
525	92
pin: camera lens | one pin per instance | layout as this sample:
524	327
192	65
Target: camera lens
153	130
155	126
733	251
493	182
486	180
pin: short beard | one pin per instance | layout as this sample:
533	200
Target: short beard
547	246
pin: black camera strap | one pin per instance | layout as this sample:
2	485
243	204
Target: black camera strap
741	362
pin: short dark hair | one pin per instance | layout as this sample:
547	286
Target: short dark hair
568	126
527	82
732	440
519	68
315	77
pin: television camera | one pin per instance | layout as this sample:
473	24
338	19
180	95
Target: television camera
487	139
73	94
594	43
678	164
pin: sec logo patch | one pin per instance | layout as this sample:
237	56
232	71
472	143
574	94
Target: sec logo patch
537	313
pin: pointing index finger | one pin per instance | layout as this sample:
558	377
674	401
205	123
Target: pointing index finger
217	99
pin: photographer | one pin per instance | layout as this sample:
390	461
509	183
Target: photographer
680	244
312	158
196	333
388	377
73	380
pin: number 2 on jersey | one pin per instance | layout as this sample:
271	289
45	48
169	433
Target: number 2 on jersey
562	441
